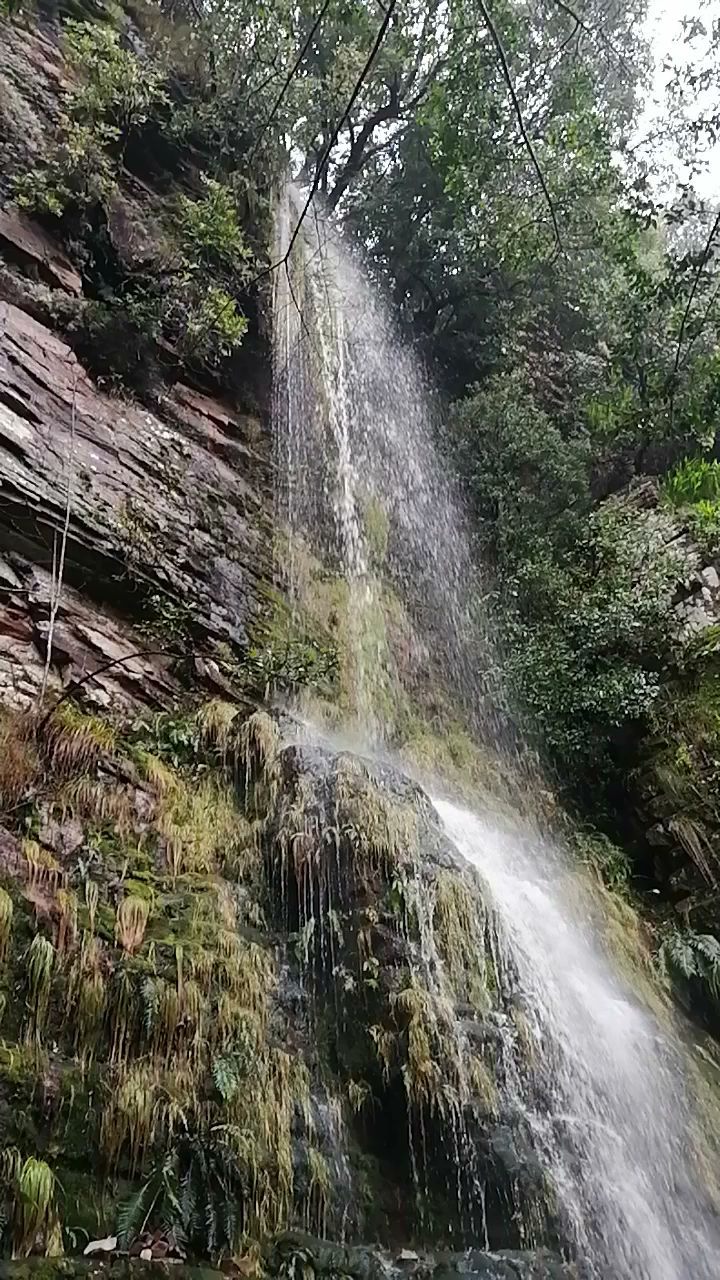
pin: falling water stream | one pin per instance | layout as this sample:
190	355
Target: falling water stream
605	1102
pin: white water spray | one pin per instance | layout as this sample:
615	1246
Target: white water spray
603	1097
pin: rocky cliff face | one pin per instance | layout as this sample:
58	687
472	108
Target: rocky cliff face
159	506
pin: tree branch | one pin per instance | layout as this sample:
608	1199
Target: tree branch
507	75
324	159
595	34
290	77
686	313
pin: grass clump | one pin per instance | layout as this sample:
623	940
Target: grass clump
459	926
40	966
30	1189
131	922
75	742
19	763
6	919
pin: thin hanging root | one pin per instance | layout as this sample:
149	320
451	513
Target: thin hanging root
6	919
216	720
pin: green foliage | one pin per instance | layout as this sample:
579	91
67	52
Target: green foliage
584	594
41	960
208	229
114	93
30	1188
611	863
195	1192
172	736
693	480
688	955
694	487
208	320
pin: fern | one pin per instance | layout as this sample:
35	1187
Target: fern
707	950
691	956
194	1192
133	1213
226	1076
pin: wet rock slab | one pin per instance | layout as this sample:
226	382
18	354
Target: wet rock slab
170	506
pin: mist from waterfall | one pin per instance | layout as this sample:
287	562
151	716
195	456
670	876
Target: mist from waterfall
600	1086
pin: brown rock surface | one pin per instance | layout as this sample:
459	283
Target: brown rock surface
170	507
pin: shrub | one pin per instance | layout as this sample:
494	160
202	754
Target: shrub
208	229
114	94
694	480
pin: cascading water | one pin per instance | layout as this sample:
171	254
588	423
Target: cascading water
599	1089
604	1100
362	481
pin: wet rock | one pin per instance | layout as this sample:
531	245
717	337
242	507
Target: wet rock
25	242
360	1262
62	837
169	507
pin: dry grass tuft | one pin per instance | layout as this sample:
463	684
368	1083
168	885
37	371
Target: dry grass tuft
216	721
6	919
131	923
19	763
75	742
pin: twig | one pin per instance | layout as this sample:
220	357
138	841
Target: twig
507	75
59	565
336	131
73	685
322	162
686	313
598	34
289	78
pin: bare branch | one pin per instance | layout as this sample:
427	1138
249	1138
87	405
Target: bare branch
701	267
290	76
594	33
324	159
507	75
686	313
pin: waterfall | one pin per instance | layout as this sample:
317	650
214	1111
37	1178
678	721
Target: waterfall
604	1102
602	1090
361	486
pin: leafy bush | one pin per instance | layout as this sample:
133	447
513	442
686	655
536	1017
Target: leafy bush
208	229
694	480
590	638
605	858
694	487
114	95
211	326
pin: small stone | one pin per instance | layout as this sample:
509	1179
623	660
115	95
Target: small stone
710	577
146	1255
107	1245
407	1255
